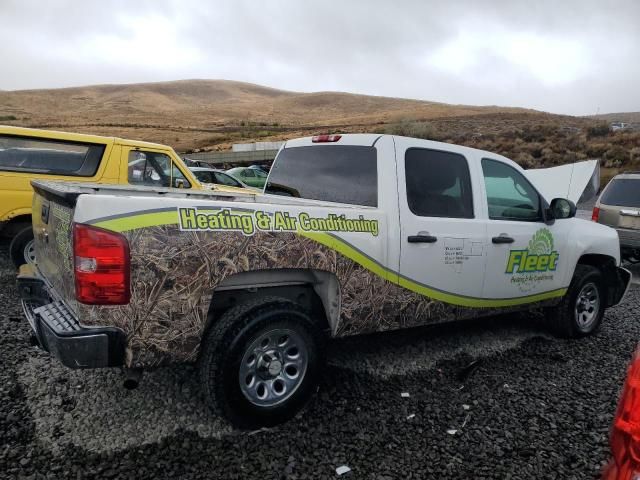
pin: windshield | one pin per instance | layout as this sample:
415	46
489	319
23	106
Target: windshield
623	192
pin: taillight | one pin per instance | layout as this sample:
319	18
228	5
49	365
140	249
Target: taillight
325	138
101	266
625	435
595	215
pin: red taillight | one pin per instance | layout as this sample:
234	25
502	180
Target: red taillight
625	435
595	214
101	265
325	138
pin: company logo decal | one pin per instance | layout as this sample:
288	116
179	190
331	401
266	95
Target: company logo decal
536	263
250	222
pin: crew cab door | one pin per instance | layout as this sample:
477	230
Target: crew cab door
442	240
525	256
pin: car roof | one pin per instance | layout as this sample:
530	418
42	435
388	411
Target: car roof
205	169
370	139
627	175
76	137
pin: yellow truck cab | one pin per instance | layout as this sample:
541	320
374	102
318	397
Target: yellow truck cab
28	154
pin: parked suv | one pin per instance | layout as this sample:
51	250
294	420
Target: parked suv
619	207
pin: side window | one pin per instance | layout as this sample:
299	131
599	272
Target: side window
203	176
438	184
224	179
179	179
247	173
48	156
154	169
510	195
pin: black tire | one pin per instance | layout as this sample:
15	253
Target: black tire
563	318
229	340
18	244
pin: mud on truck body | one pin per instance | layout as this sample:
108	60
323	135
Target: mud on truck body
354	234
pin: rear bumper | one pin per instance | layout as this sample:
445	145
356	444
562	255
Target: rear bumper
629	238
59	332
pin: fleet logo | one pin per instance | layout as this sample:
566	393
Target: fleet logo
539	257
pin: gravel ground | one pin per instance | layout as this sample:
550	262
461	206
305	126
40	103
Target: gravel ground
533	407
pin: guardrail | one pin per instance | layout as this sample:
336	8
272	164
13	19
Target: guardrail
233	158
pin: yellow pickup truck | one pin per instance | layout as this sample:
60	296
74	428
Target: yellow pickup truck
29	154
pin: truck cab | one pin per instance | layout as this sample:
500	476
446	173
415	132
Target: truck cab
27	154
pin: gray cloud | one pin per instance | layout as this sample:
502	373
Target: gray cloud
567	57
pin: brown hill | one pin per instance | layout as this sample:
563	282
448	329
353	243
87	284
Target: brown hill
630	117
195	113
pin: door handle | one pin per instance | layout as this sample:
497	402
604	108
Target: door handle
502	239
422	239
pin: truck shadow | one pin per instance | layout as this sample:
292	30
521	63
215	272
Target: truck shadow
90	409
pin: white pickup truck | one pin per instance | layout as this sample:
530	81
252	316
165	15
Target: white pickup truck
354	234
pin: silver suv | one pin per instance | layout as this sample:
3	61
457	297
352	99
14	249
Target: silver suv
619	207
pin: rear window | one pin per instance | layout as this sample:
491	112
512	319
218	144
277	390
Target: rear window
623	192
333	173
53	157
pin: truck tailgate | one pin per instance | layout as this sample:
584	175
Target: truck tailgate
53	233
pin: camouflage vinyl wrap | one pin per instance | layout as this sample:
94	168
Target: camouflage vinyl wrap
173	281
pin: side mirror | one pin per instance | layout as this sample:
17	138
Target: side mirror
179	183
562	208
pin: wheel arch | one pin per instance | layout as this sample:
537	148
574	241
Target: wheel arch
316	290
607	266
14	222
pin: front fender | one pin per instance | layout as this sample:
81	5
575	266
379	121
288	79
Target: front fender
590	238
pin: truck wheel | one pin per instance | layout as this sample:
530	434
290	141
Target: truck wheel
22	248
260	362
582	308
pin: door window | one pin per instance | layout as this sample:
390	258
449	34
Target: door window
247	173
154	169
203	176
438	184
510	196
224	179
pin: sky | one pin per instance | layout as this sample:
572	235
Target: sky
578	57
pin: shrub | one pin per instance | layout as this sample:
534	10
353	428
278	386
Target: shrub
598	130
409	128
526	160
616	154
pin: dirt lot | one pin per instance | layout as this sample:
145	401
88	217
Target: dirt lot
534	407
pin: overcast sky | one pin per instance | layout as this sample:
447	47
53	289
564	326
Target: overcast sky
562	56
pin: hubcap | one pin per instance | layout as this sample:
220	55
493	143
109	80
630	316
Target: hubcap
587	306
273	367
30	252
